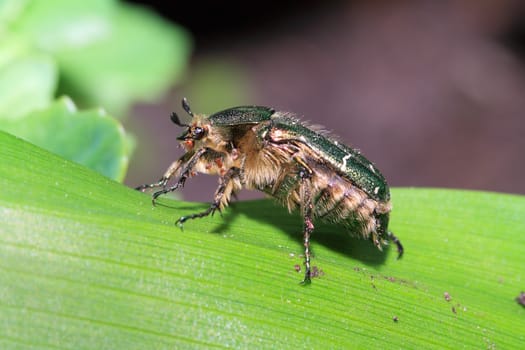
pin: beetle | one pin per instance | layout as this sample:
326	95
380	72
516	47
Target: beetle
302	167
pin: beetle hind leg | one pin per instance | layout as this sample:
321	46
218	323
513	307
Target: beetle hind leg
381	233
308	228
397	242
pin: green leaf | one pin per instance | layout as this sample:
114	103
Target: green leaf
64	24
27	81
10	10
110	53
138	61
13	47
86	263
90	137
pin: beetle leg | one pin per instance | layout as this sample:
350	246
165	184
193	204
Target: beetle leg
161	183
307	228
174	167
305	173
185	173
397	242
172	170
179	183
231	175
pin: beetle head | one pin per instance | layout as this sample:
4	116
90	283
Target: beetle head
193	132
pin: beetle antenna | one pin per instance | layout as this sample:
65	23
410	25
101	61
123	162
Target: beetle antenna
186	106
175	119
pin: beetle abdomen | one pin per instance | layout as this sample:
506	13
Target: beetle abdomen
335	198
338	200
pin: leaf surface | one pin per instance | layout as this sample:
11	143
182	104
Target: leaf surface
88	263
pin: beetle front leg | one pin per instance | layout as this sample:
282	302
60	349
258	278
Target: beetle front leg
174	167
221	198
184	174
161	183
170	172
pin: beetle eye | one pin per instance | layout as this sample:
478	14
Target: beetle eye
198	133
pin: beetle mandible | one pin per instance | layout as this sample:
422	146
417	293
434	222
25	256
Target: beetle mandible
303	168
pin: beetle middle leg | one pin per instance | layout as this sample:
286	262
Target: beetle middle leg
222	195
305	192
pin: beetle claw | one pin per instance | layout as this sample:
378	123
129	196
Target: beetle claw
180	221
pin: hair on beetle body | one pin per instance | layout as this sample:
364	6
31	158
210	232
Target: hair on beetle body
304	169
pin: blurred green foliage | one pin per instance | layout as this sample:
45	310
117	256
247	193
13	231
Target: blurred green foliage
100	53
217	83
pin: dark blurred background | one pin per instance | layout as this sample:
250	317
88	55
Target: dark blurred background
433	92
